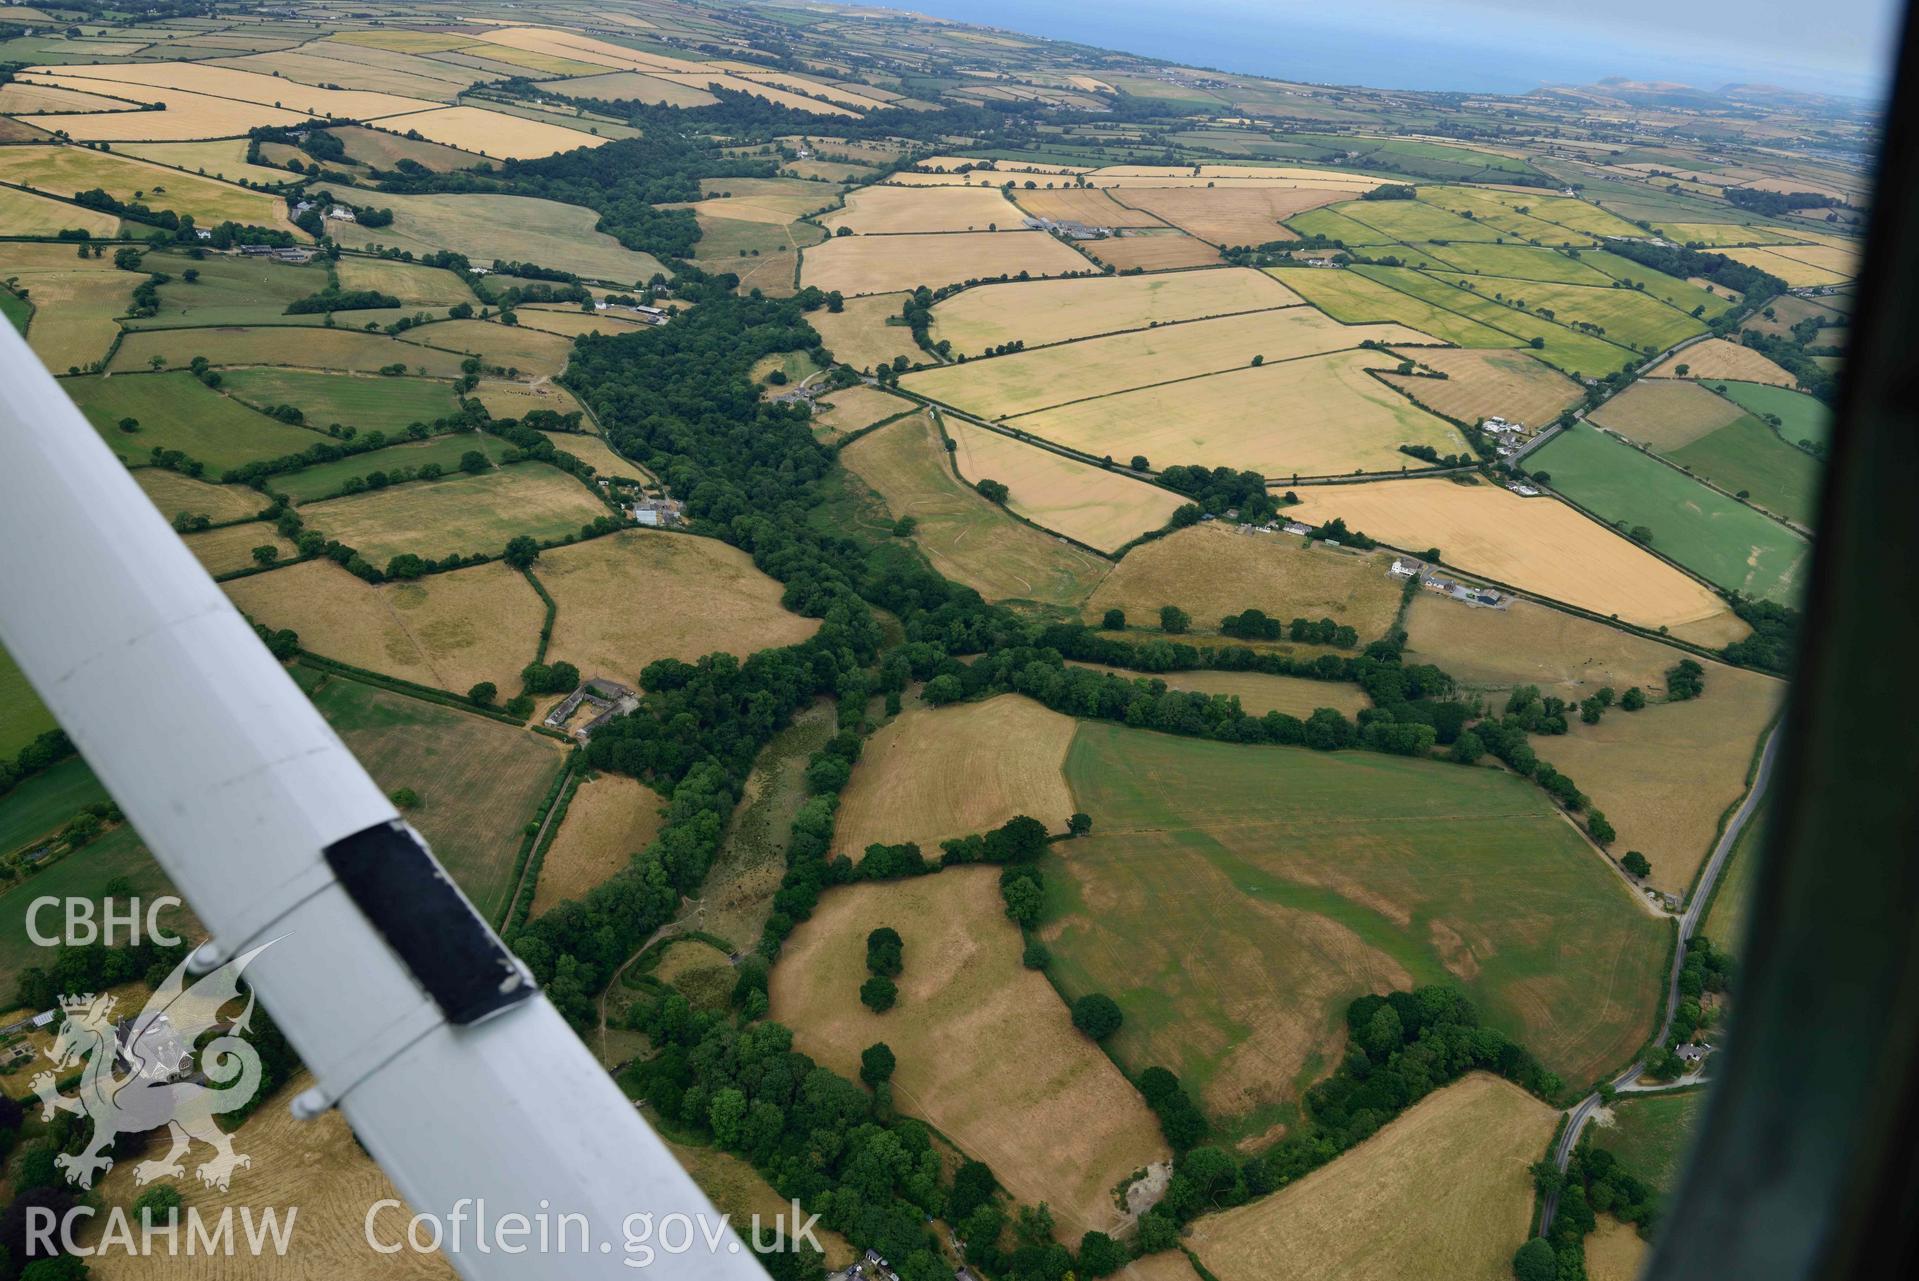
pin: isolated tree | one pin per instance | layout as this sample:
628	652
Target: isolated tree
1138	463
1080	824
129	425
879	993
876	1063
404	797
1173	619
1023	901
993	491
1637	865
521	552
1097	1015
885	952
1114	620
1633	699
265	554
484	693
474	462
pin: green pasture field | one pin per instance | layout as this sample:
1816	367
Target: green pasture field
1680	293
1574	215
412	284
1234	899
464	514
1749	457
373	402
1575	353
1425	159
230	291
1627	316
1413	220
45	802
1725	922
1718	538
479	781
1651	1134
1353	299
23	717
16	309
1333	225
1800	416
84	873
1520	262
314	483
176	412
1489	209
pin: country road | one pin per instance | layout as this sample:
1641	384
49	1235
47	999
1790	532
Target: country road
1582	1112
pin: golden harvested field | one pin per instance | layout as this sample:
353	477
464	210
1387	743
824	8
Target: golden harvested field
514	228
1257	692
986	1049
493	133
1211	571
174	493
1328	416
23	213
307	348
739	84
1006	386
224	550
967	538
1154	251
464	514
183	117
450	631
228	83
1615	1251
1795	271
223	158
1537	544
850	409
74	315
383	150
1664	774
1088	504
573	324
62	171
1492	650
640	595
1083	204
376	71
932	774
886	264
510	347
597	454
1482	384
610	819
514	400
315	1165
1665	413
1039	312
1232	215
887	210
1444	1190
635	87
1718	358
860	336
17	97
1167	1265
1840	257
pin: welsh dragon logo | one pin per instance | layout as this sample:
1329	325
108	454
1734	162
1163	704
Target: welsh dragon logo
144	1072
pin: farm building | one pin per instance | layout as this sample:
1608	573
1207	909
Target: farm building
607	699
658	513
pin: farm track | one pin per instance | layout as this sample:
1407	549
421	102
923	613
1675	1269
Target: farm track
1628	1080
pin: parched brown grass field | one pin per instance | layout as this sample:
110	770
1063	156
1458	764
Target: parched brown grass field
1323	415
967	538
1492	650
504	399
74	315
224	550
493	133
986	1049
610	819
1664	774
1164	250
62	171
597	454
183	116
25	213
1083	204
1718	358
1257	692
510	347
641	595
1049	311
1232	215
174	493
1442	1191
888	264
860	336
1538	544
840	413
890	210
931	774
1485	383
1088	504
1031	380
1211	571
315	1165
1615	1251
464	514
573	323
1666	413
450	631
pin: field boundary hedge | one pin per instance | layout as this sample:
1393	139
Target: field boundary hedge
411	689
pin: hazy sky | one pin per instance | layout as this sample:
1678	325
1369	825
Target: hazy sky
1840	46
